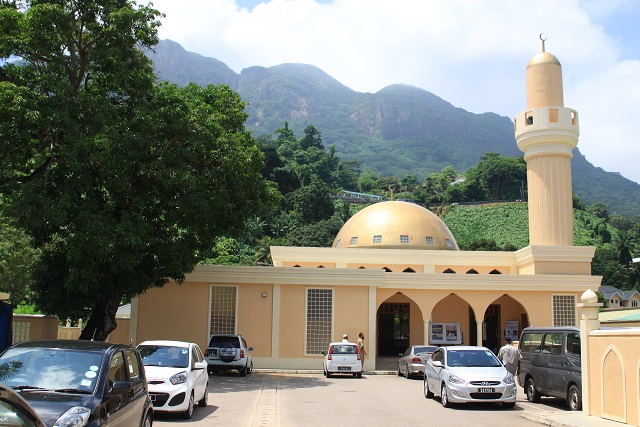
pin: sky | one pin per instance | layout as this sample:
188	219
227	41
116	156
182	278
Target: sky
471	53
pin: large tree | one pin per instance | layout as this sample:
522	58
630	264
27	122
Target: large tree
123	183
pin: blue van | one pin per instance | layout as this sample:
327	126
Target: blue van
551	364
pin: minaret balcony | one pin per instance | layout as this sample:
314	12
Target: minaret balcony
547	130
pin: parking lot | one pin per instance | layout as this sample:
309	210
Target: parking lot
279	399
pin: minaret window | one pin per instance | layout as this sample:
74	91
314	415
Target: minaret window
529	118
377	238
553	115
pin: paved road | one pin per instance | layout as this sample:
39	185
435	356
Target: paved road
288	400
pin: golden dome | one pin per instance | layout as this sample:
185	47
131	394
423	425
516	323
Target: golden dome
543	58
395	225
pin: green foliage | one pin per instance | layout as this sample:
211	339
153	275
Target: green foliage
122	182
24	308
504	223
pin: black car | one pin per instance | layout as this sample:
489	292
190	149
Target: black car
79	383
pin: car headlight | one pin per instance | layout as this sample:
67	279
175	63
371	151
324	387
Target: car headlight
456	380
508	379
179	378
74	417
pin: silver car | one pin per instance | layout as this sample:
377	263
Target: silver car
468	374
413	359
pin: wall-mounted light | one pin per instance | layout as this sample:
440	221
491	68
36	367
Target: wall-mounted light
264	295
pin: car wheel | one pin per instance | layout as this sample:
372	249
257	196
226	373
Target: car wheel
147	421
444	397
359	375
428	394
509	404
407	375
205	398
533	395
250	367
243	371
399	373
574	398
189	411
328	374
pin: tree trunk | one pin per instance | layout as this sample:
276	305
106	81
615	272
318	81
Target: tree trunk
102	321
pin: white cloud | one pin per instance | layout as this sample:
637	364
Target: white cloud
472	53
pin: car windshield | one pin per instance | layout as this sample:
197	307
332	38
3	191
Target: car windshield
472	358
163	355
425	349
51	369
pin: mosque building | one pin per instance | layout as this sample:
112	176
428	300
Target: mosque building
395	272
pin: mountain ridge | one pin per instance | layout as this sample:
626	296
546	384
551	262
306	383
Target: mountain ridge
396	131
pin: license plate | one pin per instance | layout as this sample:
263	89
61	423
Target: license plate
344	368
486	390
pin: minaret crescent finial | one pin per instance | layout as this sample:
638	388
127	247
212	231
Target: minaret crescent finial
543	38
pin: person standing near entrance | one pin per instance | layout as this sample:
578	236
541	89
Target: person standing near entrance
510	356
360	343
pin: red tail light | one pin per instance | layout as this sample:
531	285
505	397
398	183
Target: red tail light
241	354
329	354
416	360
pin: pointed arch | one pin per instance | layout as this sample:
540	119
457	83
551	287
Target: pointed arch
408	270
612	391
495	271
449	271
472	271
387	269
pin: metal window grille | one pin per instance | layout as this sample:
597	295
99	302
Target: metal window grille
377	238
319	320
404	238
564	310
429	240
223	310
354	240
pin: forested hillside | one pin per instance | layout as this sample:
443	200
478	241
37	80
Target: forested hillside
400	130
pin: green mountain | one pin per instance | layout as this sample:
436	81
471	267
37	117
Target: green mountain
397	131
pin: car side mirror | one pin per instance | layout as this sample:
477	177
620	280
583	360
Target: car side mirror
121	387
324	353
400	354
437	363
199	366
250	349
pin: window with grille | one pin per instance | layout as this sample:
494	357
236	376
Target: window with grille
634	303
223	310
338	243
564	310
319	320
377	238
404	238
354	240
429	240
448	243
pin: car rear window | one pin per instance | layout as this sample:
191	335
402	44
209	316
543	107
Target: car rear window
343	349
426	349
229	342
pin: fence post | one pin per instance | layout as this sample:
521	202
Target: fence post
589	322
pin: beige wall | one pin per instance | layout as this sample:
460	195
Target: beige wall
39	327
174	312
614	369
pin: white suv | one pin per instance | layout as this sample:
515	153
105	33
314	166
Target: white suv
228	351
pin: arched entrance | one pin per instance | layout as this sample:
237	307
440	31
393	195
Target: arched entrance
504	317
456	313
399	325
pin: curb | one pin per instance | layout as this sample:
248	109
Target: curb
314	371
546	420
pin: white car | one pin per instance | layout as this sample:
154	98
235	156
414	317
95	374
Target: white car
461	374
342	358
177	375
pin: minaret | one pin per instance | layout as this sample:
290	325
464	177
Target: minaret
547	132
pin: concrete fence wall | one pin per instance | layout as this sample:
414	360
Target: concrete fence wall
28	327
